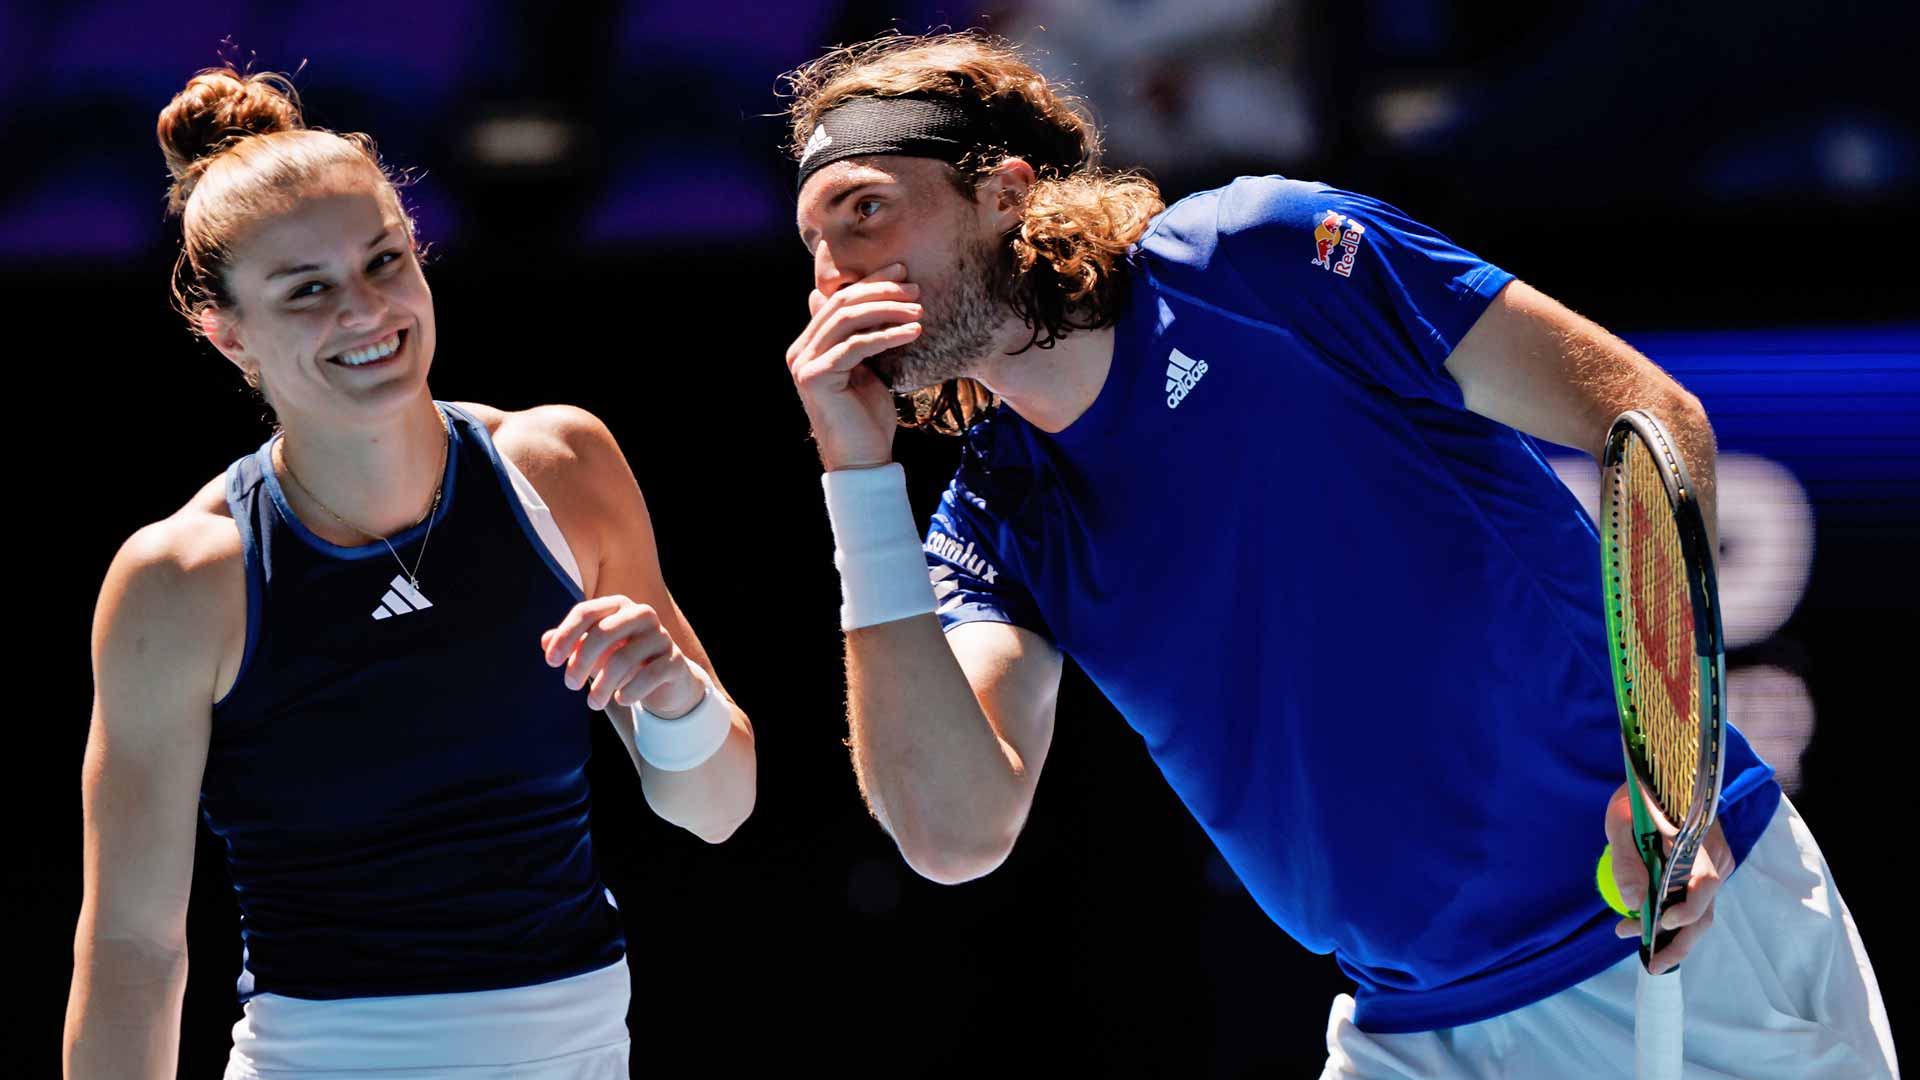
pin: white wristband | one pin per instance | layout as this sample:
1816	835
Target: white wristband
685	742
883	574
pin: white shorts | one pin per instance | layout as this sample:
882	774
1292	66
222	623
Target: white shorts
1780	987
569	1029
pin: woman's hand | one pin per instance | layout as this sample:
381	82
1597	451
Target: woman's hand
616	649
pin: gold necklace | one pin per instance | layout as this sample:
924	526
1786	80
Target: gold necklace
413	576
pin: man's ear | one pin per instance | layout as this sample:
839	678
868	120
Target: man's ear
1003	192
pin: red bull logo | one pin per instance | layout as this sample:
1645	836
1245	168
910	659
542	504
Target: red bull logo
1337	236
1326	239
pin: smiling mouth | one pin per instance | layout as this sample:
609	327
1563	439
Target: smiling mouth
374	355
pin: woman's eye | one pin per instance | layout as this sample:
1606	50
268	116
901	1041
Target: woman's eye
311	288
383	259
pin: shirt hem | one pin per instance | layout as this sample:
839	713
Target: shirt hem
1588	954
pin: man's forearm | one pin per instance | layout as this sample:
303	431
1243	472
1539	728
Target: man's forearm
934	772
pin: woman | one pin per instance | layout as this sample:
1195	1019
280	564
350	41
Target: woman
375	728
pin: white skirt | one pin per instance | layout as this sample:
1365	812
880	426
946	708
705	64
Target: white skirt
569	1029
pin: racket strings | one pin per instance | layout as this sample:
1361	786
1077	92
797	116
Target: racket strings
1656	636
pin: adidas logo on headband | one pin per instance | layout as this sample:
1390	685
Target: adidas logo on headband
816	142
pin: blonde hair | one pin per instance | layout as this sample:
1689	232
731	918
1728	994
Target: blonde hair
1062	269
239	149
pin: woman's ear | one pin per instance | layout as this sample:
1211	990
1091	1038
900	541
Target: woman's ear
223	330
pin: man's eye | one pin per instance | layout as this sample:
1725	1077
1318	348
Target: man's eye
866	208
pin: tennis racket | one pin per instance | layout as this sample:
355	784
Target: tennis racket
1669	671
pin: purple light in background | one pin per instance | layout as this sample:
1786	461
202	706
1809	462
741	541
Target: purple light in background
748	34
75	213
692	198
14	42
419	50
146	51
436	217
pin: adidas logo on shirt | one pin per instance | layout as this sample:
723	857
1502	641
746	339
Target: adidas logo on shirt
401	598
1183	374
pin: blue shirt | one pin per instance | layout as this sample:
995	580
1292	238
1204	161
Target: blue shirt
1358	627
398	776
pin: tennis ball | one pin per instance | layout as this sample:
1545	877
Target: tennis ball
1609	890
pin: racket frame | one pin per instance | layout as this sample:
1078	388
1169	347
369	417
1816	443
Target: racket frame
1667	875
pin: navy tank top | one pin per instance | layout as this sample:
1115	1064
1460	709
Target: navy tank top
398	776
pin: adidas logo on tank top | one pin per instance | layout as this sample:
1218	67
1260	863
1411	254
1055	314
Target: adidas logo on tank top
401	598
1183	374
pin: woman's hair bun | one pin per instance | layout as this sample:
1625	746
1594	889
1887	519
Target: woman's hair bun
219	106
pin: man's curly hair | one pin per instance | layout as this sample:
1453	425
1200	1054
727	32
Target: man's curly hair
1060	271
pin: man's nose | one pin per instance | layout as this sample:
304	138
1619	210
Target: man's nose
830	276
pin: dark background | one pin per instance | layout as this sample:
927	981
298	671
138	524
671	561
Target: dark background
1733	188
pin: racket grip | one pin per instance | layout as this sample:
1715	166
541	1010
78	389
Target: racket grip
1663	938
1659	1047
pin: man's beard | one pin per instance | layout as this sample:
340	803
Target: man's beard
962	317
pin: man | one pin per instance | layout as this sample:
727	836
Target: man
1263	464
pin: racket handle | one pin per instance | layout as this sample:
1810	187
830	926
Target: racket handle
1659	1046
1662	938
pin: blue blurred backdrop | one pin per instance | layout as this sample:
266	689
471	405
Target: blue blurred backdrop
652	117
